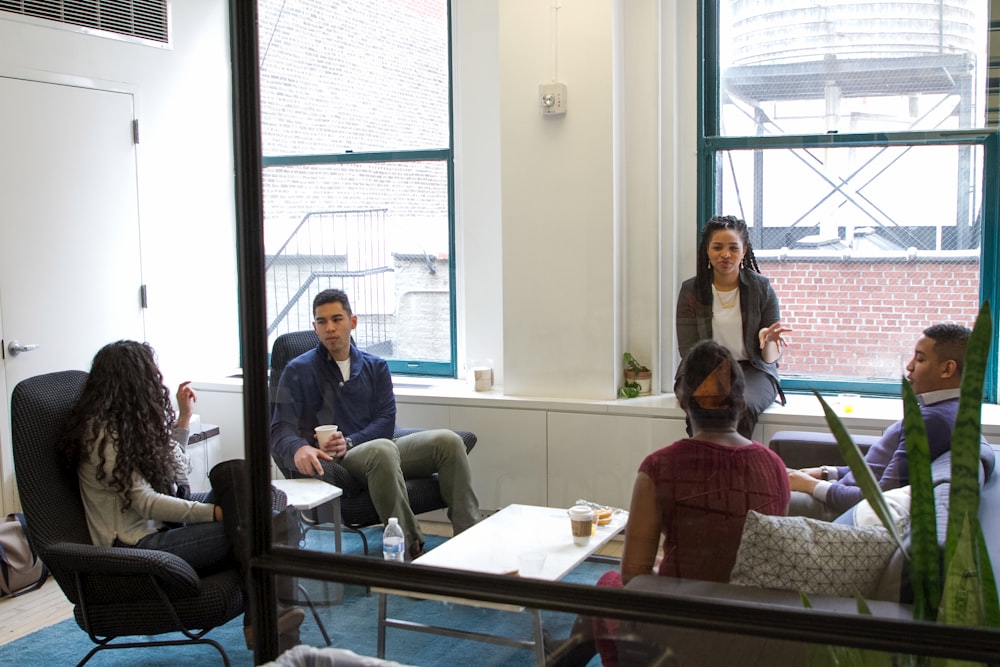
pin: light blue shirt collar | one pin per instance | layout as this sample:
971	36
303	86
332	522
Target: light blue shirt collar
932	397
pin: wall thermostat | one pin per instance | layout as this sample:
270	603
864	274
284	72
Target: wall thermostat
552	97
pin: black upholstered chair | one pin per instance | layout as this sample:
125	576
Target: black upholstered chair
357	510
117	592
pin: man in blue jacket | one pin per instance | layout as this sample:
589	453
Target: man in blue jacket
337	383
935	372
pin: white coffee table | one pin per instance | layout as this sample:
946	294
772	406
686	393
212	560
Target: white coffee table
494	546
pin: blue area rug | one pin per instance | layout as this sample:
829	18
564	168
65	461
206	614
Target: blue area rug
351	625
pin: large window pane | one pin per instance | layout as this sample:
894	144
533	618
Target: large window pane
873	234
353	75
851	66
351	93
379	231
865	247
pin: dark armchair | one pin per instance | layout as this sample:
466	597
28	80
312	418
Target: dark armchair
117	592
357	510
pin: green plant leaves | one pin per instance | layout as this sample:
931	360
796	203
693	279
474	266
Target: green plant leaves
629	390
967	562
925	576
966	438
962	599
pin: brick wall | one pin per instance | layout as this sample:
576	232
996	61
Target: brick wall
861	319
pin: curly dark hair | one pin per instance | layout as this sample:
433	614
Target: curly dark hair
125	397
703	360
703	276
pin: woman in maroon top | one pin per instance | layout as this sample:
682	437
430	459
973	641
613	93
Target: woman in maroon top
696	492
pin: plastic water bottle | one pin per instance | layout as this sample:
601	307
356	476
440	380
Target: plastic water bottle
393	544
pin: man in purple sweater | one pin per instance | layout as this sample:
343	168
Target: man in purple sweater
935	372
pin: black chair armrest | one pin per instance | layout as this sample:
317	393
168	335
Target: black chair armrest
120	571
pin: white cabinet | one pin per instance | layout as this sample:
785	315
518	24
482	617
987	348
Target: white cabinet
595	457
221	402
205	450
508	462
537	451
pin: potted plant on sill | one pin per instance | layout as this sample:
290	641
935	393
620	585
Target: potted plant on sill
638	379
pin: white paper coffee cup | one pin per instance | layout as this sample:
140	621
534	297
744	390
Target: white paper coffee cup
324	432
581	523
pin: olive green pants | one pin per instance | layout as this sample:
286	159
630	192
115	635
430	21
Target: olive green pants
385	465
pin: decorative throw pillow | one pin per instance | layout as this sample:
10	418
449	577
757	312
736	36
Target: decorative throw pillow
811	556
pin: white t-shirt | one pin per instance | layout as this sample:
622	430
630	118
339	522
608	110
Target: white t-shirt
727	322
345	368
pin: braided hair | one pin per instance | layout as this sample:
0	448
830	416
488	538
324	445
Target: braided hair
703	277
124	397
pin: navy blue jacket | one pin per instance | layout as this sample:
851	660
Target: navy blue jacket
311	392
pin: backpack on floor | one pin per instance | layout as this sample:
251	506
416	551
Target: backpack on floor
21	571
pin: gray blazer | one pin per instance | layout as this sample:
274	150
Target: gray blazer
758	307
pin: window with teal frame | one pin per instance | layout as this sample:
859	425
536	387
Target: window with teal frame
356	128
859	143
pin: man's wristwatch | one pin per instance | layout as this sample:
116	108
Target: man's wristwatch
350	444
824	472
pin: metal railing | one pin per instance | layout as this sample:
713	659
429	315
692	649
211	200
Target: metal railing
333	249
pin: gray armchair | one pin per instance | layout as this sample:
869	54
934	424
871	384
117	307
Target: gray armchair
117	592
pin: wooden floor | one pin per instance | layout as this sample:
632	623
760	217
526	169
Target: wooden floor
33	611
39	609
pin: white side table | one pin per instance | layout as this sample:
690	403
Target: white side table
309	493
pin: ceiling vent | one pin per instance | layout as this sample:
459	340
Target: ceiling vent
142	19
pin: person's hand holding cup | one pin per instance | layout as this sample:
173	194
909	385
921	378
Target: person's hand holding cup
581	521
326	436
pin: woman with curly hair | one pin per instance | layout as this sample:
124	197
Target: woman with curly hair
128	445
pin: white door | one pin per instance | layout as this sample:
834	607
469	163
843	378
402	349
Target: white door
70	270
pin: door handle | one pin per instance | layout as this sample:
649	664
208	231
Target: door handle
15	348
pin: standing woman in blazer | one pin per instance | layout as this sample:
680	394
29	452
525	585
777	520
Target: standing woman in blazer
730	302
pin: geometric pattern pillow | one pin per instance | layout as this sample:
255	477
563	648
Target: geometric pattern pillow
811	556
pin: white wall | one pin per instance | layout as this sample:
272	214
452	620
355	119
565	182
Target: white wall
558	201
569	222
476	69
185	169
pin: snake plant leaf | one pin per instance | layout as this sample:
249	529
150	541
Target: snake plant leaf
965	440
961	599
925	574
862	473
991	602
